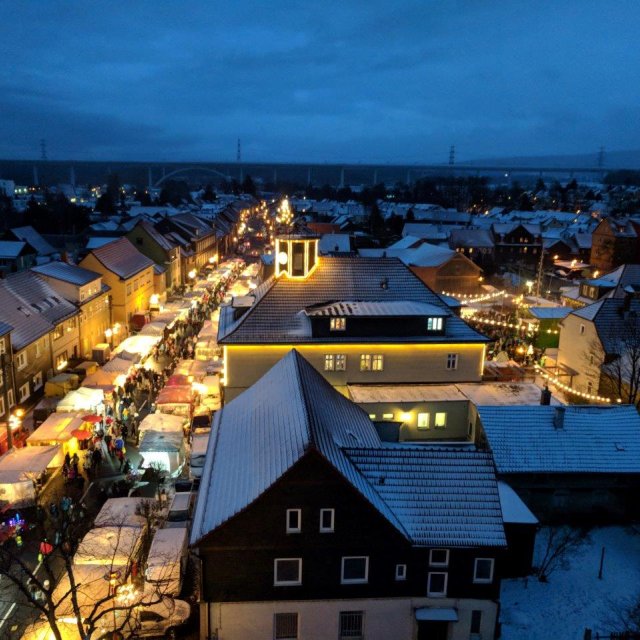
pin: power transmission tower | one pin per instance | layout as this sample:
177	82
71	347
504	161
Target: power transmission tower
452	155
238	154
43	149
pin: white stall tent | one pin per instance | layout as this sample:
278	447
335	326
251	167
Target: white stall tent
167	559
112	546
19	468
154	328
140	344
163	422
87	399
165	449
118	365
56	429
122	512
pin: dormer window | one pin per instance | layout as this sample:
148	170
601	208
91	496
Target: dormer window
435	324
337	324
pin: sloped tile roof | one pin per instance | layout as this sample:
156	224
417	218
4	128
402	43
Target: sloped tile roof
592	439
5	328
277	315
164	242
11	248
67	272
550	313
122	258
400	308
442	497
267	429
30	235
432	496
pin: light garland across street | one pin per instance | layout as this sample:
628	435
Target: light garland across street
566	388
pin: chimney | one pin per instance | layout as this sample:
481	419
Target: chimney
545	397
558	418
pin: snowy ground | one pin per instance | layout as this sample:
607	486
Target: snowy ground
574	598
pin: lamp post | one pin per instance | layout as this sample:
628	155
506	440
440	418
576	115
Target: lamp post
15	420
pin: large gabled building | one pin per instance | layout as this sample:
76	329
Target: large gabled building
357	320
308	526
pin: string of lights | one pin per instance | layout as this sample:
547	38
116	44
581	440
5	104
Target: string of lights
511	325
570	390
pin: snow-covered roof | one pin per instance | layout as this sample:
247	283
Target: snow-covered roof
367	393
514	510
276	316
66	272
571	439
291	411
98	241
11	248
396	308
550	313
334	243
30	235
122	258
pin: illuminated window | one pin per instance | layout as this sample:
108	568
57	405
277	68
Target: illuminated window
327	520
365	362
37	381
287	571
3	347
58	332
437	584
377	363
434	324
285	626
452	361
341	362
372	416
338	324
129	289
423	421
329	362
21	360
355	570
294	520
2	409
483	571
401	572
387	416
440	421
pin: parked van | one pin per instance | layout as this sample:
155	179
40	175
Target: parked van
167	560
180	509
199	443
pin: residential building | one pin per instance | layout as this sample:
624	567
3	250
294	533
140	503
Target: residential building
357	320
15	256
476	244
199	233
353	535
567	461
7	388
45	332
517	243
84	289
128	274
30	235
614	242
164	251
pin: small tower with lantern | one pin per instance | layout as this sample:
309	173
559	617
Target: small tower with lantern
296	255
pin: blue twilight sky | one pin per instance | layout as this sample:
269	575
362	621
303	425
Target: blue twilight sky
336	80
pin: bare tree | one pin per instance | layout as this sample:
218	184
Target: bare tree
87	581
617	354
560	542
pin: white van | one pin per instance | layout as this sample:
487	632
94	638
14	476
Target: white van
199	443
167	560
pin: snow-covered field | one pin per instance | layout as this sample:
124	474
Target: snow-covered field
574	598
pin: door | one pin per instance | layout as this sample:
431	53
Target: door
433	630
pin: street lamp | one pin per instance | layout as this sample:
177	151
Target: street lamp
15	420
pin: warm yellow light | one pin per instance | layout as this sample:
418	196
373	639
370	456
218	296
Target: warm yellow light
192	274
283	258
154	299
405	417
108	333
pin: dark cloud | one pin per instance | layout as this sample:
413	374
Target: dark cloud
364	80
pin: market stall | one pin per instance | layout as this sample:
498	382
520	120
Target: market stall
162	423
167	559
140	344
121	512
118	366
113	546
176	400
61	384
22	470
164	449
87	399
102	379
57	430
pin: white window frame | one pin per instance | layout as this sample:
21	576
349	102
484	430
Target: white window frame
37	381
280	635
435	420
364	580
331	527
340	362
285	583
437	594
297	529
452	361
377	362
329	362
1	378
365	362
433	563
401	572
21	360
434	324
344	634
22	396
337	323
11	399
488	580
422	422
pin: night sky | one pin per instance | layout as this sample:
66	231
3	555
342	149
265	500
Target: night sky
329	81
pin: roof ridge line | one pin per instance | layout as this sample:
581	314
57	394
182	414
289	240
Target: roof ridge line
305	399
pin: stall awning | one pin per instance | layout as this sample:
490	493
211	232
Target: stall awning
443	615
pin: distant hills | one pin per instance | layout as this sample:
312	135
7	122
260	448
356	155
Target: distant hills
629	159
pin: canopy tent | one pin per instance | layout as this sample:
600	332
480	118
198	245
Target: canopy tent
113	546
61	384
101	379
118	366
176	394
167	556
194	368
82	399
167	317
20	468
178	379
121	512
139	344
162	422
208	331
56	429
164	449
154	328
